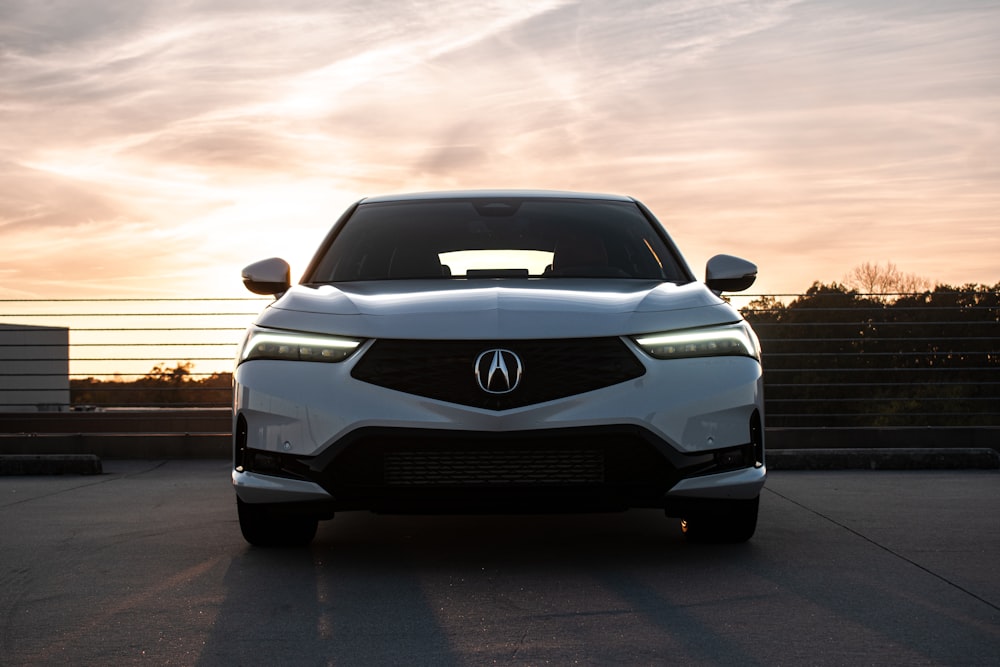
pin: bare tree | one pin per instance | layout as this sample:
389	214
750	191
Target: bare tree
884	282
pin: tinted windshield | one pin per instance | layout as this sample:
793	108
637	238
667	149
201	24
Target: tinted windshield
498	238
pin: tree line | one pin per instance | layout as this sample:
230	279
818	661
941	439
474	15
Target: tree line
160	387
835	356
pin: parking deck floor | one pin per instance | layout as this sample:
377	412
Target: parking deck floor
145	563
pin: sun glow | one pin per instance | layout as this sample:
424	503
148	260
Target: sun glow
172	141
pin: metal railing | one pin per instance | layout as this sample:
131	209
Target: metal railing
870	360
836	359
116	353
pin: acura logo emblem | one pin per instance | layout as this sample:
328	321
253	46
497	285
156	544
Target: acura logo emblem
498	371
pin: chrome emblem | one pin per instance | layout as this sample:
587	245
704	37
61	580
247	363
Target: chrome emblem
498	371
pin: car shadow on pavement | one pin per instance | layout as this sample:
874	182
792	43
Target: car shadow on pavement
391	589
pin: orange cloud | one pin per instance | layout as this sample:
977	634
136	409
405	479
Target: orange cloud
151	147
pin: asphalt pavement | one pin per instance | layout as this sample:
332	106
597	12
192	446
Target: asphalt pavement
144	563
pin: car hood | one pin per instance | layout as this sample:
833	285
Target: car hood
507	309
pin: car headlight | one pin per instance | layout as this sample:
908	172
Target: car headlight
296	347
728	340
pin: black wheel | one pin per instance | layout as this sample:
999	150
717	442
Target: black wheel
262	526
729	522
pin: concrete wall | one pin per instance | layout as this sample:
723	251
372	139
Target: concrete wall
34	368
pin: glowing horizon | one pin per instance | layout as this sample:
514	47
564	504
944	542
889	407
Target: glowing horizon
152	149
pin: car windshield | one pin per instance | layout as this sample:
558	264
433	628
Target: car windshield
497	238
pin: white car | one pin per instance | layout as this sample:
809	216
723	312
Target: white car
498	351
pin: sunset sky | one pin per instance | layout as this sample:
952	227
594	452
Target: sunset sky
154	148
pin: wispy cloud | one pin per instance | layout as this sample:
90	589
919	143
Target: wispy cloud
810	135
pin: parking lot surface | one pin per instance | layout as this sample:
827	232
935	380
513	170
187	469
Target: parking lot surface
145	564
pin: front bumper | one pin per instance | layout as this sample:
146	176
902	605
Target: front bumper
746	484
603	468
685	430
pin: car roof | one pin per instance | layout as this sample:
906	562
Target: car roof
493	194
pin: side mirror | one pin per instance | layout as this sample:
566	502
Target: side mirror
268	276
725	273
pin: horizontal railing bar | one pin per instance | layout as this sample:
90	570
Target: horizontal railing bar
206	299
878	339
887	316
84	376
868	322
155	406
125	343
118	329
120	386
883	399
188	314
927	369
155	360
905	353
165	329
772	385
867	415
991	303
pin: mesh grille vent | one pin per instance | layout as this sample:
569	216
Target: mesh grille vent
584	466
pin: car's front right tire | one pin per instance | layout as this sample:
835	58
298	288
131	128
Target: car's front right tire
262	526
729	522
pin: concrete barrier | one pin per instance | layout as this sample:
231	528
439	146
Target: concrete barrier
880	458
121	445
884	437
64	464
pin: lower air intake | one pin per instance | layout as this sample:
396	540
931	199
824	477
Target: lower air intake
507	467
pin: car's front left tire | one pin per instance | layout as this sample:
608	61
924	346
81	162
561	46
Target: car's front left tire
262	526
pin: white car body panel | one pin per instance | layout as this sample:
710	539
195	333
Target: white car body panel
311	411
254	488
484	310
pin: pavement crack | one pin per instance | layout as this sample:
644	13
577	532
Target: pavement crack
103	479
888	550
520	644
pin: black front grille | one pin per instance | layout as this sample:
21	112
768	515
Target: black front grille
411	470
446	370
494	467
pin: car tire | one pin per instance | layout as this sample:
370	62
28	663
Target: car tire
264	527
730	522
